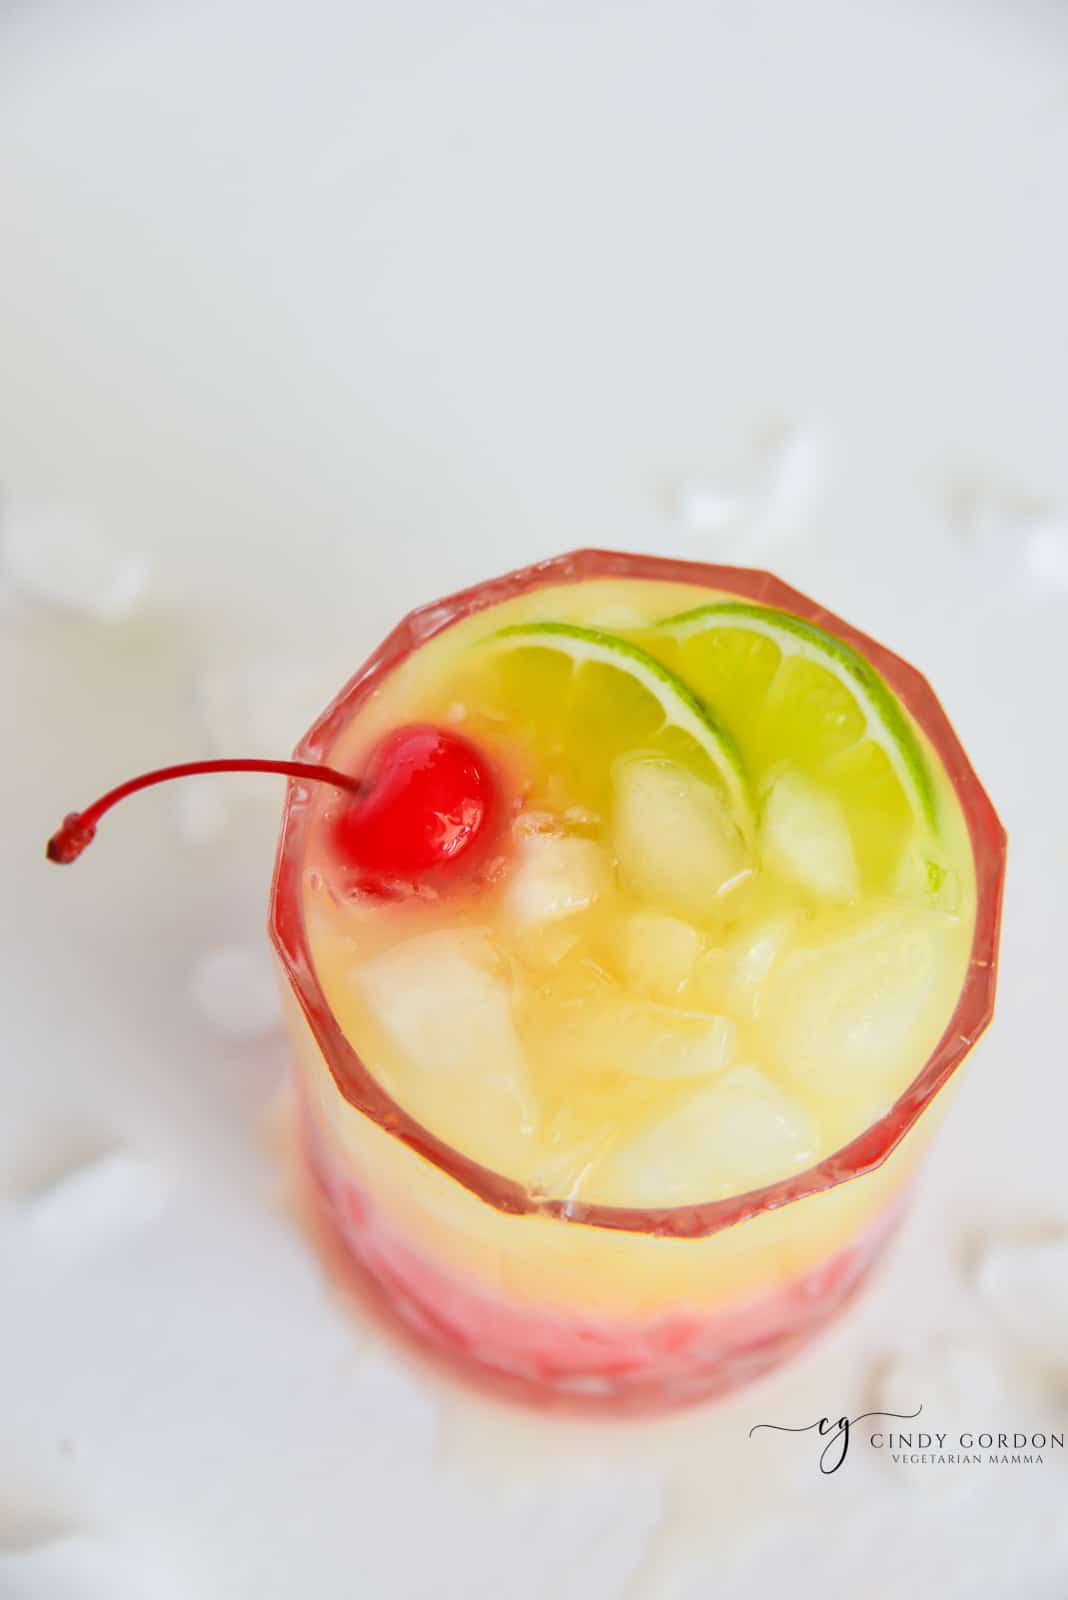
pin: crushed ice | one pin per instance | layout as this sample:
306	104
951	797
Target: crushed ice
59	556
261	707
706	506
1024	1283
795	474
960	1390
1046	552
233	990
199	808
95	1198
80	1567
1019	536
768	493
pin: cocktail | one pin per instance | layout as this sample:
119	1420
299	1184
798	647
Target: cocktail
643	913
620	1098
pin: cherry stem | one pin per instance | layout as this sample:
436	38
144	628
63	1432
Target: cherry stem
78	827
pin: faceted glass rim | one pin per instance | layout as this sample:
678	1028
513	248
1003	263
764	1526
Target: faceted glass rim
357	1083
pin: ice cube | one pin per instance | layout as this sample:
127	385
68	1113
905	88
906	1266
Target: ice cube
738	1134
803	834
235	992
734	975
553	877
569	1149
1024	1280
677	843
591	1025
444	998
585	1024
755	952
657	953
658	1042
547	944
842	1013
60	557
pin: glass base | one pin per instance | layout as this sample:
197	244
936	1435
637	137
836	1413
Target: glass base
546	1356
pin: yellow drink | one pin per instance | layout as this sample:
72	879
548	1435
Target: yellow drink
718	961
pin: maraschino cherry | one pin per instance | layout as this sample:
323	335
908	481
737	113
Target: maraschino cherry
425	803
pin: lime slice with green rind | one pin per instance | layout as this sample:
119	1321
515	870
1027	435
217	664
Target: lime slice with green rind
583	698
789	693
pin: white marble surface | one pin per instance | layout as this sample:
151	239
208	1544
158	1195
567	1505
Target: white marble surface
311	313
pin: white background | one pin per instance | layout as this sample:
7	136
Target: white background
324	310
